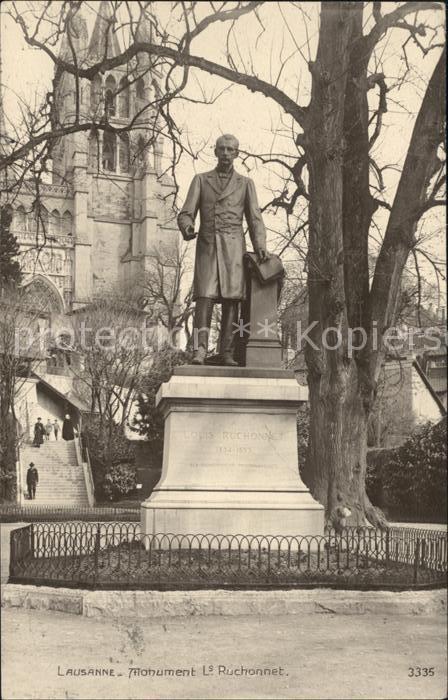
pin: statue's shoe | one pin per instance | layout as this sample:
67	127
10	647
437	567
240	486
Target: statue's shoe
199	356
228	360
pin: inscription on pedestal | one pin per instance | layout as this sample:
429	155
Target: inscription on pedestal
231	454
232	435
222	448
213	445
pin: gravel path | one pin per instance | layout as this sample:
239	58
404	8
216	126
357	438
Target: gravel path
311	656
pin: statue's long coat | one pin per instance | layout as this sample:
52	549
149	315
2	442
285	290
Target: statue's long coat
218	272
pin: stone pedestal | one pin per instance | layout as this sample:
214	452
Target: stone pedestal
230	456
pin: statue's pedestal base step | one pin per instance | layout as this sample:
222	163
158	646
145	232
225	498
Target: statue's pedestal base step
237	513
230	458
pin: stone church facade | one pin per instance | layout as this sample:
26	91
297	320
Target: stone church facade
108	205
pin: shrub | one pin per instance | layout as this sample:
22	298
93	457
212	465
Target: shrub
413	477
377	459
109	450
119	481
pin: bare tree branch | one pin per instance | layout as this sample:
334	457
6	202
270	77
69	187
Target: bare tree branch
392	19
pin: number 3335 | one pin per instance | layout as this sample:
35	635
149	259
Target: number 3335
423	671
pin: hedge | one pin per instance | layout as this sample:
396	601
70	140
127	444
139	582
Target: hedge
410	481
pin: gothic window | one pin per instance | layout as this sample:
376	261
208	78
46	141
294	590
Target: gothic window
140	89
67	223
44	294
123	98
93	151
110	96
32	222
9	212
158	153
95	93
140	155
55	222
19	220
109	151
124	153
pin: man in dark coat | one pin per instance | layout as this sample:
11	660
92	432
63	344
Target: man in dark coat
32	479
222	197
68	432
39	433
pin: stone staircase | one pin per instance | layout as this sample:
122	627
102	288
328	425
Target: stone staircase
61	478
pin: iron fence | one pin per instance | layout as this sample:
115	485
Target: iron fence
117	555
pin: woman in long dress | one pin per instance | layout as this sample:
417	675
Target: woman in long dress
39	432
68	432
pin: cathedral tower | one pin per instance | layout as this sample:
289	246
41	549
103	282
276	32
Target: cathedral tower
121	204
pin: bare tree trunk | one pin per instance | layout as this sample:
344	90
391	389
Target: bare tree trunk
411	200
340	388
342	384
337	451
338	426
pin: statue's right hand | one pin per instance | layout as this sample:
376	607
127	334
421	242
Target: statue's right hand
189	233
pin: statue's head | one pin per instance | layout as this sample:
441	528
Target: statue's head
226	149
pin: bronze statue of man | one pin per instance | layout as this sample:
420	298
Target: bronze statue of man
222	196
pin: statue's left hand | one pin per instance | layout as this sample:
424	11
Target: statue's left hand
263	255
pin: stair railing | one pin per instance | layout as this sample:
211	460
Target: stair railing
82	454
19	482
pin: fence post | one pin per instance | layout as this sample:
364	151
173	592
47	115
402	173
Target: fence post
423	560
416	559
13	551
96	552
387	546
33	542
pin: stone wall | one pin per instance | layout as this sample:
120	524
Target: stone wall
425	407
404	402
110	243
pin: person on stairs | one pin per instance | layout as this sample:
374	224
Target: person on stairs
32	479
39	433
48	429
68	431
56	429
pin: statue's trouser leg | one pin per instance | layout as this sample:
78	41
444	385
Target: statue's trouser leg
202	322
228	329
